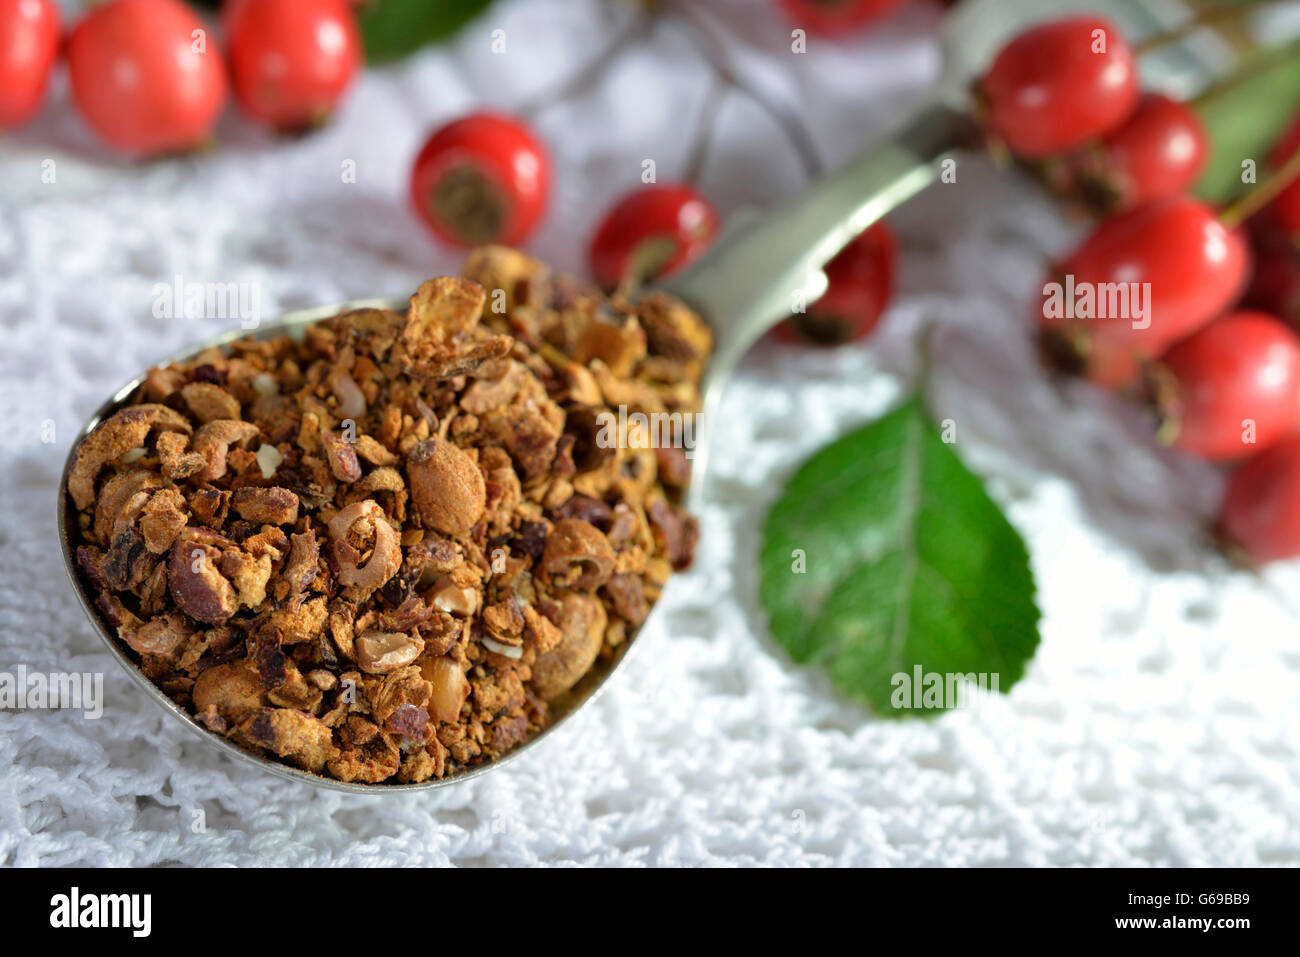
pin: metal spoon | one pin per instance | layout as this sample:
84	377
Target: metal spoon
745	283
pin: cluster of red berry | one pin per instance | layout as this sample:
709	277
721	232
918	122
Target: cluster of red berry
1225	381
149	80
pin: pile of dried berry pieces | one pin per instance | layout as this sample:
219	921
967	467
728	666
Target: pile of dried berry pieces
387	551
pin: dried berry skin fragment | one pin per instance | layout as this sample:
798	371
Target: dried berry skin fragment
121	433
197	585
294	735
272	506
581	620
387	555
233	690
379	653
577	555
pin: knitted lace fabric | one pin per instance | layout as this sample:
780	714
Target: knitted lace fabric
1157	724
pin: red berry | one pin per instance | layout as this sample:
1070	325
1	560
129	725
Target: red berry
1158	152
1231	388
147	75
836	17
1275	287
1260	514
481	179
29	45
291	60
1194	264
651	232
1058	85
861	282
1284	211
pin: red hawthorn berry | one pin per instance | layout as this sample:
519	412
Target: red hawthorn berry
1159	151
649	233
147	75
483	178
1275	286
1284	211
836	17
291	61
860	285
1058	85
1195	267
1231	388
29	45
1260	514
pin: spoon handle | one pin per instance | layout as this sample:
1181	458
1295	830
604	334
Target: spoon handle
748	280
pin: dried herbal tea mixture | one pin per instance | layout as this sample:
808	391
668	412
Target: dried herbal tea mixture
381	553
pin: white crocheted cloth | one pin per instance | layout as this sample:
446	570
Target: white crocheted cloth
1157	724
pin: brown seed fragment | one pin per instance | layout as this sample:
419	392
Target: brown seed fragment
209	402
342	457
446	486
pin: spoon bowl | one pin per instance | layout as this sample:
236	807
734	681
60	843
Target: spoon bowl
293	324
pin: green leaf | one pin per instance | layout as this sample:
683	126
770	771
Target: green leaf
395	28
907	562
1243	122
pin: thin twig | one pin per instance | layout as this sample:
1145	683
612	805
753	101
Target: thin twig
1248	204
637	28
702	36
1206	18
694	168
1264	61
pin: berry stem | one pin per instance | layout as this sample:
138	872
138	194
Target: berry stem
1248	204
704	132
637	28
1264	61
702	36
1213	17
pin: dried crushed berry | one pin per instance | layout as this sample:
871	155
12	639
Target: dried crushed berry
438	545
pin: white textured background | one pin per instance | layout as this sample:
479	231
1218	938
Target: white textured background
1157	724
